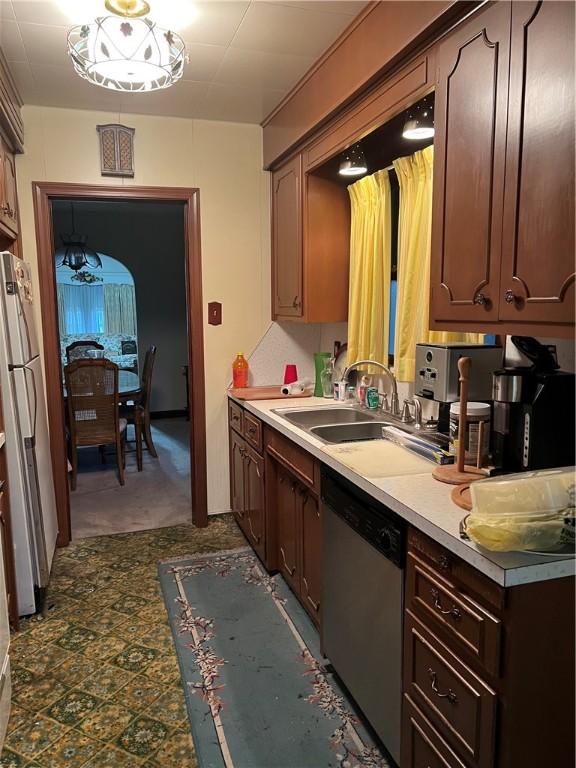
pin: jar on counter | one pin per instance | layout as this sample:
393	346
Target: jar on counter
476	414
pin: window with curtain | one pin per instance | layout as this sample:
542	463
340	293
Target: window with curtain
390	249
370	268
119	309
97	309
80	309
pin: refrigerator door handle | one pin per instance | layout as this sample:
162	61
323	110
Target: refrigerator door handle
34	403
42	555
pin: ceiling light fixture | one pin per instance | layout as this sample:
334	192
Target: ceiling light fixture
353	163
126	52
420	122
74	252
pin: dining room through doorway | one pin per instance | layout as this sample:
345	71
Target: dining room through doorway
121	294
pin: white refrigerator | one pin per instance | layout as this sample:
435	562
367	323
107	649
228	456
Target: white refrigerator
30	481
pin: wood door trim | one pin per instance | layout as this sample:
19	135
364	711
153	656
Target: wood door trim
43	194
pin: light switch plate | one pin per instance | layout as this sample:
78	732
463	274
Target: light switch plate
215	313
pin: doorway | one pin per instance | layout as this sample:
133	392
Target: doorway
51	202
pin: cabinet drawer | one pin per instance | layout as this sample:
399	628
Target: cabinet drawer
235	416
450	567
462	622
455	700
252	430
296	459
422	746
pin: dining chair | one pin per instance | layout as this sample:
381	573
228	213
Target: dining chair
78	349
93	416
140	410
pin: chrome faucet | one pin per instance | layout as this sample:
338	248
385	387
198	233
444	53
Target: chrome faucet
394	403
407	415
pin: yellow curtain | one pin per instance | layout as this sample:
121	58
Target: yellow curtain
413	299
370	265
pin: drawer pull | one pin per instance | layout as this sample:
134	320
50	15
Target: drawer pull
453	612
451	696
444	562
251	430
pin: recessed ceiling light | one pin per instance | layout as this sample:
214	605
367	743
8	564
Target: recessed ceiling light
353	163
420	122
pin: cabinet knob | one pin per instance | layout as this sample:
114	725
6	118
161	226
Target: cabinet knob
481	300
296	303
510	297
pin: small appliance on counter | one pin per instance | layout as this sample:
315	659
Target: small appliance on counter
436	385
533	411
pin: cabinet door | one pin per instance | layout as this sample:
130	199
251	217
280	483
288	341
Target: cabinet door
237	453
287	239
311	551
537	283
469	162
288	528
3	190
254	501
10	210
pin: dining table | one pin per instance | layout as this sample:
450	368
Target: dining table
129	386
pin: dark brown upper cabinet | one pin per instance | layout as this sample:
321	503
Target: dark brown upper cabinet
287	299
310	246
503	205
8	195
537	279
469	157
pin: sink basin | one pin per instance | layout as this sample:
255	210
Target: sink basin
338	424
348	433
314	417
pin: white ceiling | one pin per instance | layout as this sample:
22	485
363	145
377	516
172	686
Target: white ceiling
245	55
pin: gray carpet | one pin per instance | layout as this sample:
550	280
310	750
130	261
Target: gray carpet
157	497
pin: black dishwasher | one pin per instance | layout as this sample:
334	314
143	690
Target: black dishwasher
363	553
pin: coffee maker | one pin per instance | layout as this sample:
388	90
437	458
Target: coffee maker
437	379
533	425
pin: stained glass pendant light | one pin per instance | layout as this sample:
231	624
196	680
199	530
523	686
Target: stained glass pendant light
125	51
74	252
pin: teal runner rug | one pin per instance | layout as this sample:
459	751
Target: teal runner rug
257	693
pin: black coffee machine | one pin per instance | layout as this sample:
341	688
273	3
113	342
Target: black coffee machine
533	412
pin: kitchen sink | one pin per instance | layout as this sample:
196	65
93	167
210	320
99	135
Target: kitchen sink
314	417
349	433
346	424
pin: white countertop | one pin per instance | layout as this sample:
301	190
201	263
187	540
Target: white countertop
421	501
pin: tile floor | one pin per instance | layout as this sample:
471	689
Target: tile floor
96	683
158	496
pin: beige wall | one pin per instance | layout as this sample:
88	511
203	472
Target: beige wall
224	161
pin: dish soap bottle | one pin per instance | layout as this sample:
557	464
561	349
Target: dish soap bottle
240	371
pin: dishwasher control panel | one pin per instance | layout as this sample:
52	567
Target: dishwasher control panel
381	527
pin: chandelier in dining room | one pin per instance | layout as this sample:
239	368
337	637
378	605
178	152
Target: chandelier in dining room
126	51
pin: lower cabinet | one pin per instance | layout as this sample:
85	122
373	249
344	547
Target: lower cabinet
478	665
421	744
286	517
310	580
298	539
247	492
274	495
